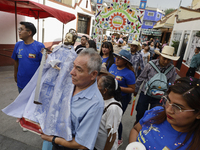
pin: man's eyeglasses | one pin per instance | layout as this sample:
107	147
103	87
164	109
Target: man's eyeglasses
21	29
176	109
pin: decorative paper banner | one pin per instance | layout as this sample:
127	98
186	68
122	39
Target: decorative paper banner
119	17
130	37
99	1
143	4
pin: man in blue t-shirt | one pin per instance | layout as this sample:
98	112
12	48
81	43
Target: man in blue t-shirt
26	54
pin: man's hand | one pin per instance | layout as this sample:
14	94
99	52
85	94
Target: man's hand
46	137
135	93
15	77
139	68
15	70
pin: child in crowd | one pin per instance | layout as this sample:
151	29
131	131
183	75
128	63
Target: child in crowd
107	138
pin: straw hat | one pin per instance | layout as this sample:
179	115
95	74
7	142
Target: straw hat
104	71
135	43
168	52
126	55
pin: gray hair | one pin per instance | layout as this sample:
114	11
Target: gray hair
94	62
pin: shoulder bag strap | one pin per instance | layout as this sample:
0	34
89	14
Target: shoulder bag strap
105	109
168	69
154	66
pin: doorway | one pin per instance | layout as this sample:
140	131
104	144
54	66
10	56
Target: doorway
182	52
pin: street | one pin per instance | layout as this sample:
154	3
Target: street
12	136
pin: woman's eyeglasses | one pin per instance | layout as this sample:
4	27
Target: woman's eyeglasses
176	109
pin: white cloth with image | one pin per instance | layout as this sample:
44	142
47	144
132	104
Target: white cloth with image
56	91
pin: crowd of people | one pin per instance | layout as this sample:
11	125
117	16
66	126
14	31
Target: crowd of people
104	84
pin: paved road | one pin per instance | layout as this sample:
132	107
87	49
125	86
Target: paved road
11	135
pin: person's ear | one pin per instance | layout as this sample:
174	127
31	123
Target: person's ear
105	91
94	75
29	32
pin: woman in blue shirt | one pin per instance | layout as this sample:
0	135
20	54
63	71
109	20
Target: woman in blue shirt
124	74
106	54
176	124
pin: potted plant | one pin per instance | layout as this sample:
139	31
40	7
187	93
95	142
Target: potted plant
175	44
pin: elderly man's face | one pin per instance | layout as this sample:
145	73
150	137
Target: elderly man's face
80	75
164	61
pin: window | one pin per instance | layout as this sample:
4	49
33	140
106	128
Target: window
147	23
158	15
150	13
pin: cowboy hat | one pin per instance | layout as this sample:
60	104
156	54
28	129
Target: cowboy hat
135	43
126	55
168	52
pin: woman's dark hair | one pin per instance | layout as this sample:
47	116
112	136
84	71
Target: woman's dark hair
110	59
92	44
144	44
108	83
189	88
130	67
148	46
156	45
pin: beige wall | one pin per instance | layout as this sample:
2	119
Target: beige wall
195	4
186	14
67	2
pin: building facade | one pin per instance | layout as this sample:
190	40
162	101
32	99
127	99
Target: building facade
49	30
151	16
186	35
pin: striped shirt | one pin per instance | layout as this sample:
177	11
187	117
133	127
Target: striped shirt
149	72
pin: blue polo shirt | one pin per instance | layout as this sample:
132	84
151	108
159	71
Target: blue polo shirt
124	77
86	111
29	57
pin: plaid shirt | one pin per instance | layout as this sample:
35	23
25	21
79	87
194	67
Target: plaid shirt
136	60
149	72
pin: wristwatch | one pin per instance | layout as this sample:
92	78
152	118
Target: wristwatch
53	140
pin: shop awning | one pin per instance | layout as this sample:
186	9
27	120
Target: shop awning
34	9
